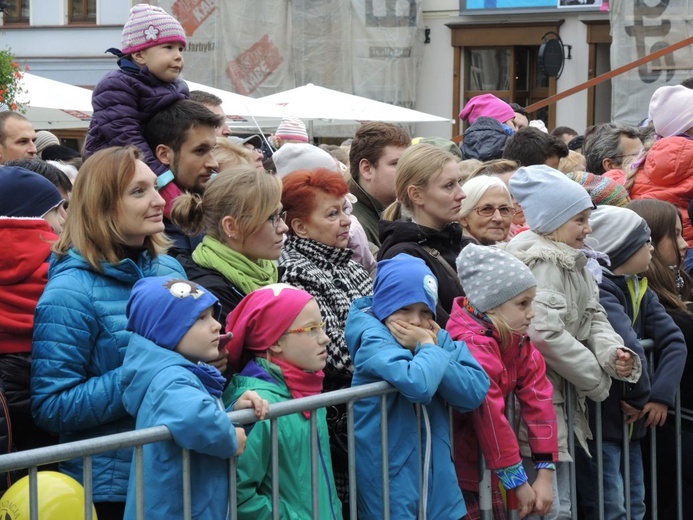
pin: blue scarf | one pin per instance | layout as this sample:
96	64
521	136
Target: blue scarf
210	377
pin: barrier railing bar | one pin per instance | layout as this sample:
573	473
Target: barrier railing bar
314	464
88	487
187	488
139	482
33	493
351	459
386	461
274	436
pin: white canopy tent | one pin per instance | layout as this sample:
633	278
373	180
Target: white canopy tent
242	110
322	107
53	105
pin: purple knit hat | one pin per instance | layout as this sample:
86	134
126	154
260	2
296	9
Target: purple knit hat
148	26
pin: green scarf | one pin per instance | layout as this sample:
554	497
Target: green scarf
238	269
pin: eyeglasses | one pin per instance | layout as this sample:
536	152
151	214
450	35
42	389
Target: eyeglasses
313	331
274	218
489	211
636	154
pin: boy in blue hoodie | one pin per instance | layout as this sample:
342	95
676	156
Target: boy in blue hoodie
166	381
393	336
635	313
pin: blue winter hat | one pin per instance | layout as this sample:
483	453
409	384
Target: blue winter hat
164	308
24	193
401	281
548	198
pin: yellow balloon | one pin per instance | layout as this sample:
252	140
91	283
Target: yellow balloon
59	497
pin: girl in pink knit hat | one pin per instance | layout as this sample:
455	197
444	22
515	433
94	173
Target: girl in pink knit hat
147	81
279	348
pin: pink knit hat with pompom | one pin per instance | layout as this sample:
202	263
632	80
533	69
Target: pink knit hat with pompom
149	26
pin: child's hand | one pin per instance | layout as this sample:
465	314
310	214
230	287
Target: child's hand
408	335
251	399
525	498
656	414
543	490
242	438
624	362
433	330
633	414
221	363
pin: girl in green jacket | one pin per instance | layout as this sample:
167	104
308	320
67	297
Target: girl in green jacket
279	346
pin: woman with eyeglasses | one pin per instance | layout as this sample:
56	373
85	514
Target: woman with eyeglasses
487	212
423	222
241	215
317	259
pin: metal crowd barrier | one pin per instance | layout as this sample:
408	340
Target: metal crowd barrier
33	459
486	512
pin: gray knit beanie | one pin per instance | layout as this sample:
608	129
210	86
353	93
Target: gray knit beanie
619	232
491	277
548	198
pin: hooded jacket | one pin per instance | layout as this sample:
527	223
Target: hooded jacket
484	140
80	339
571	331
405	236
23	276
518	368
158	389
433	376
650	322
254	468
124	101
667	174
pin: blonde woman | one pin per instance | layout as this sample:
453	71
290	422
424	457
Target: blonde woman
243	220
428	188
113	236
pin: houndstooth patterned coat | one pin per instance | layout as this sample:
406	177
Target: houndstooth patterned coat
329	274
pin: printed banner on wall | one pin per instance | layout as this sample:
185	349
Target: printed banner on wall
638	29
371	48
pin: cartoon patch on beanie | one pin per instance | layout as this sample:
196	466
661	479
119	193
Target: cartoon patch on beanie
184	288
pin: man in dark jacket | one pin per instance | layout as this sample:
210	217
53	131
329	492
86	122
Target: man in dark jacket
373	157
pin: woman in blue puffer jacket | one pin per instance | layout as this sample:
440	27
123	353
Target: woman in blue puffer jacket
113	236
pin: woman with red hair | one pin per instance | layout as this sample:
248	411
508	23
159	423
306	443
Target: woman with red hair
316	259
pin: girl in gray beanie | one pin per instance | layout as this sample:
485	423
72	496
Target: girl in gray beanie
493	320
570	327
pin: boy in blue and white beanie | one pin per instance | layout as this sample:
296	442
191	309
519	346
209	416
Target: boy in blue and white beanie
392	336
166	381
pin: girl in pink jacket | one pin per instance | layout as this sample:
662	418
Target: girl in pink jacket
493	319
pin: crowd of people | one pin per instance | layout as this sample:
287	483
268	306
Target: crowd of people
172	272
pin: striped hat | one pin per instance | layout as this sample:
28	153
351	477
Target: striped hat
292	129
148	26
603	190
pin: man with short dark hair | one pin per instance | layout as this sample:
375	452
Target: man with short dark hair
17	137
564	133
530	146
182	137
373	157
213	102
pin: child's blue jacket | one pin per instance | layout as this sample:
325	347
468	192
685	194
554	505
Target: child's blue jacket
433	376
158	389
